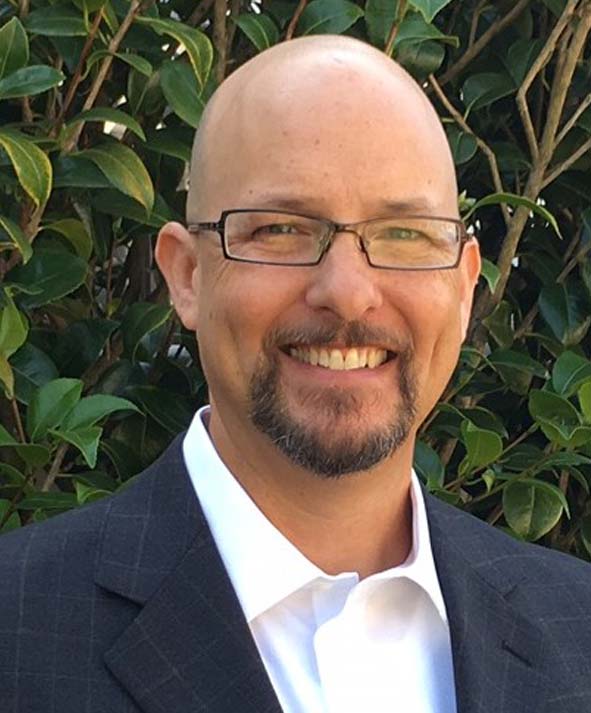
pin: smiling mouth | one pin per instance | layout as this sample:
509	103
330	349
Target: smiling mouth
341	359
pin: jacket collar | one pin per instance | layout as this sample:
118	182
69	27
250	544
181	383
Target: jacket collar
190	647
497	651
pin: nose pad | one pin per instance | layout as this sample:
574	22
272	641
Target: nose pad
358	240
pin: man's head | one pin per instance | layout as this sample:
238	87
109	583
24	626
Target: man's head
325	127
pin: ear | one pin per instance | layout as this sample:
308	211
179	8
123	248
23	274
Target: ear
470	272
176	255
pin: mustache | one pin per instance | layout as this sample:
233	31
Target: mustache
349	334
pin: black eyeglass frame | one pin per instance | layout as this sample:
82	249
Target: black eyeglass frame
219	227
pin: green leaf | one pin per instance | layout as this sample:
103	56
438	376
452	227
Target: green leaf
54	500
31	165
141	319
14	47
59	20
32	368
75	233
261	30
114	203
328	17
86	440
13	522
170	142
532	507
181	91
133	60
414	30
91	409
500	326
124	169
566	311
517	361
521	56
54	275
379	18
29	81
169	410
50	405
6	377
463	146
562	459
491	274
86	494
82	342
428	465
546	406
13	328
481	90
420	58
514	201
5	438
483	447
196	43
570	371
585	401
74	172
559	419
428	8
16	238
116	116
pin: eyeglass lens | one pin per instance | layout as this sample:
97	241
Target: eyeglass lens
288	238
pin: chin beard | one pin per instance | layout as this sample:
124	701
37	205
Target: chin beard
309	449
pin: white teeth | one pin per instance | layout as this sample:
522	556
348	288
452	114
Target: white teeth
352	359
340	359
336	360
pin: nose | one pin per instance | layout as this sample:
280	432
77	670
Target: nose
344	282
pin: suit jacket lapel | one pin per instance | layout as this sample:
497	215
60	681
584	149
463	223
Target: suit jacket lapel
497	652
190	648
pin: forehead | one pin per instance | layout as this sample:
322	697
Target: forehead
336	137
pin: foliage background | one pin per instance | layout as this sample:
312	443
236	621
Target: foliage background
98	101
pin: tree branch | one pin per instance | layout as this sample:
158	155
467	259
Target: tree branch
133	11
567	163
567	63
482	145
295	19
483	41
573	119
220	40
199	12
540	62
77	78
401	12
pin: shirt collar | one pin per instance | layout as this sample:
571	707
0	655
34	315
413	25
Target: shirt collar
263	565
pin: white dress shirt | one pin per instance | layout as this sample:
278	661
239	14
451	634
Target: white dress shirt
330	644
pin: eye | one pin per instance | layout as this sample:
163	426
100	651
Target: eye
405	234
277	229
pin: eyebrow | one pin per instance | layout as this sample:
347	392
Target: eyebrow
417	206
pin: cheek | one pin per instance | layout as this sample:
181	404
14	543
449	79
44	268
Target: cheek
240	304
437	334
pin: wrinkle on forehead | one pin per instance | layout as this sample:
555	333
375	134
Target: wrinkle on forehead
272	98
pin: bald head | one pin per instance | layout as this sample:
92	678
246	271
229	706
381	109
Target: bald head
319	96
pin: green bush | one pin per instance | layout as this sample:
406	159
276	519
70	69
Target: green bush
98	102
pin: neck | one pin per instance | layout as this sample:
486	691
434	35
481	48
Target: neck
360	522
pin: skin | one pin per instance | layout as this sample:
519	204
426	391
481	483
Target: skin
326	126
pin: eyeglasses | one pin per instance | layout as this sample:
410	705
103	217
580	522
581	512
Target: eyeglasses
284	238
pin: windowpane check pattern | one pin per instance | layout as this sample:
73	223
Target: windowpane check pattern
284	238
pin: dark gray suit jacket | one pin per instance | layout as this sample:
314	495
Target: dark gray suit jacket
124	606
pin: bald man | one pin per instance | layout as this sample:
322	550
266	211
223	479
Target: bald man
281	555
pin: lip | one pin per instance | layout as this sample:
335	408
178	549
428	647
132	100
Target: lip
341	378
